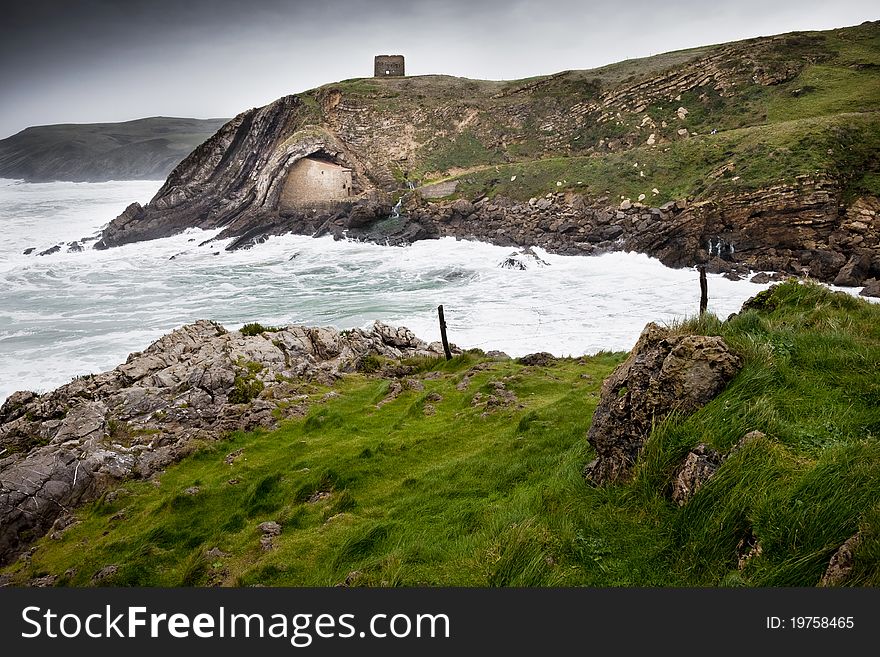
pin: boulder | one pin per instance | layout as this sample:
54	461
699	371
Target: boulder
539	359
872	288
854	271
841	564
363	214
699	466
664	373
462	207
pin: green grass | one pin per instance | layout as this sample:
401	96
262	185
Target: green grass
842	146
580	128
462	150
420	491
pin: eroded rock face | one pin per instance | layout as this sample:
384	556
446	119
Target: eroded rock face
664	373
68	446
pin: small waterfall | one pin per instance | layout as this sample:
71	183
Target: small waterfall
721	248
395	211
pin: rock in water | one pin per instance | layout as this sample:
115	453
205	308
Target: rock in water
663	373
524	259
872	288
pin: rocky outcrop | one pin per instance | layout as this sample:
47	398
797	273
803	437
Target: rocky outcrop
872	288
842	562
236	174
798	229
68	446
664	373
700	465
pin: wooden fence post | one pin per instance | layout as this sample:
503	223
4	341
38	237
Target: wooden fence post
443	333
704	290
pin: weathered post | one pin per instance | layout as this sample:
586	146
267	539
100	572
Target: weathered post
704	290
443	333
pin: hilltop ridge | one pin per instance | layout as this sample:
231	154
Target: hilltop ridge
143	149
758	154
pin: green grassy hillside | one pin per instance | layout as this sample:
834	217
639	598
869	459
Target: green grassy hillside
757	113
472	476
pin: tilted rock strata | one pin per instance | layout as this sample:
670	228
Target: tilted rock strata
70	445
382	129
664	373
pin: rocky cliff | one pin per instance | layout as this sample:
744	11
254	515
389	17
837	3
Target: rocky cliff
756	154
665	373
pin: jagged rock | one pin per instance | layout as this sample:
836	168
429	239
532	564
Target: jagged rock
698	467
43	582
512	262
841	564
270	528
747	548
663	373
15	405
230	458
196	383
872	288
539	359
526	258
854	271
104	573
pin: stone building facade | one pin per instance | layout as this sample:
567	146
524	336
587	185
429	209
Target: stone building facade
315	181
388	66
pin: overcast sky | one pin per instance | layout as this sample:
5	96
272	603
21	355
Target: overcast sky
83	61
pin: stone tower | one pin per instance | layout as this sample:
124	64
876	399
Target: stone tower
388	65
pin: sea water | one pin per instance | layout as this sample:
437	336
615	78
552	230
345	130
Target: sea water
73	313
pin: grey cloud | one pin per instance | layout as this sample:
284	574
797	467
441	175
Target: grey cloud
103	60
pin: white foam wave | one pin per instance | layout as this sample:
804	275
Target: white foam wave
82	312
